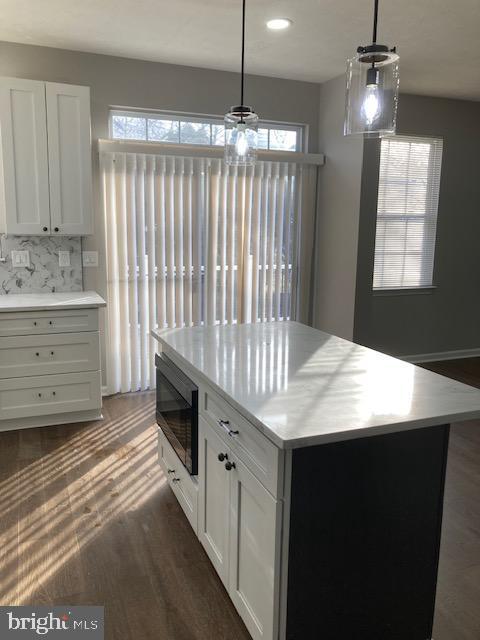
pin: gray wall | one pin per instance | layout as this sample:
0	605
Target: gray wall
448	318
149	85
338	217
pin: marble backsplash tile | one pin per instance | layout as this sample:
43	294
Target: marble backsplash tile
44	274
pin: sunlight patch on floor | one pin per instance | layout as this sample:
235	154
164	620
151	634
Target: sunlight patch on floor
102	472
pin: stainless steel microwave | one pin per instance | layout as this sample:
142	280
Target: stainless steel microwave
177	411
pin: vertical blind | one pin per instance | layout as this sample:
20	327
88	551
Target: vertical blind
191	241
408	190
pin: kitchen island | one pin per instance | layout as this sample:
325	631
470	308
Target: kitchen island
320	480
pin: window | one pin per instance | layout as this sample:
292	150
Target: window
165	127
408	189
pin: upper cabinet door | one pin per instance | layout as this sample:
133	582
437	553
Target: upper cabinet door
25	208
69	159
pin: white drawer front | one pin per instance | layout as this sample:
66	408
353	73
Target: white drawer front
49	354
260	455
182	484
43	395
45	322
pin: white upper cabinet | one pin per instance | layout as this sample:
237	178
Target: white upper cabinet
24	205
46	158
69	158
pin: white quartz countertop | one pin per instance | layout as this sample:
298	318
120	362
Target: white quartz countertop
50	301
302	387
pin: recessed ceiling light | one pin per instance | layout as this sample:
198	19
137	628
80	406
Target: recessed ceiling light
277	24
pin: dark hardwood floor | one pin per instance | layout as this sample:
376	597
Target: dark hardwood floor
86	517
457	612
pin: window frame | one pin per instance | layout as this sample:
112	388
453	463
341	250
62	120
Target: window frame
423	288
300	129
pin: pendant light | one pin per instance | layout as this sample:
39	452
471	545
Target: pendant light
241	123
372	88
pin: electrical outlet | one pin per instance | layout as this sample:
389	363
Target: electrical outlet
90	258
20	259
64	258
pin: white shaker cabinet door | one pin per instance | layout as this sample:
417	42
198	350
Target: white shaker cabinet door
254	552
25	197
214	496
69	159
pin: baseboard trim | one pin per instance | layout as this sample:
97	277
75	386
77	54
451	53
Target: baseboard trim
107	392
89	415
442	355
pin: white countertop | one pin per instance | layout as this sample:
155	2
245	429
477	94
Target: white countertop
50	301
303	387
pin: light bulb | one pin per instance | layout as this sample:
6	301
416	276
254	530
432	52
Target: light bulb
371	106
277	24
241	145
241	137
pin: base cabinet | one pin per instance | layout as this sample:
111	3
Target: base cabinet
49	368
238	527
182	484
214	500
253	552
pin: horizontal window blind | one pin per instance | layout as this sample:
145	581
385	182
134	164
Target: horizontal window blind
408	190
191	241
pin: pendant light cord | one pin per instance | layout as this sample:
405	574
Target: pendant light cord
374	35
375	20
242	83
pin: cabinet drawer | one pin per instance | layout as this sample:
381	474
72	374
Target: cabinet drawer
44	322
49	354
43	395
180	481
260	455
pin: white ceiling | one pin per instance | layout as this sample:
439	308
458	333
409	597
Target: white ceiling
438	40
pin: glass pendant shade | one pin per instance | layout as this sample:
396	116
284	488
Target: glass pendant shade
372	92
241	137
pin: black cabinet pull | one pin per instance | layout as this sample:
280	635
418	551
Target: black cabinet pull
53	393
230	465
39	395
45	228
170	471
56	229
223	456
34	323
176	480
37	354
225	424
52	353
